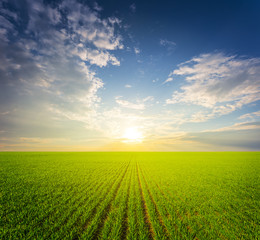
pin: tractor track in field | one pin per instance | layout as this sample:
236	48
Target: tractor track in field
94	210
107	209
145	208
165	230
125	218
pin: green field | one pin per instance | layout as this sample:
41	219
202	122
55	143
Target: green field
129	195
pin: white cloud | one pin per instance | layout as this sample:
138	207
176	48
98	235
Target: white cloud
218	82
105	42
131	105
57	46
51	62
250	115
115	20
128	86
90	28
147	99
169	79
238	127
98	57
137	50
139	105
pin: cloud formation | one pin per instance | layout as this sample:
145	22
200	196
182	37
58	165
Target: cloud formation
250	115
139	105
131	105
169	79
169	45
56	56
133	8
218	82
48	60
137	50
239	137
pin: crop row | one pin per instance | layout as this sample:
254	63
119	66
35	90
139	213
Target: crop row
128	196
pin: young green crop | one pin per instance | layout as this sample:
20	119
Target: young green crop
129	195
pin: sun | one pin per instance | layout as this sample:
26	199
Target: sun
132	135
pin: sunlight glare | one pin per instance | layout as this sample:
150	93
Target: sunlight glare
132	135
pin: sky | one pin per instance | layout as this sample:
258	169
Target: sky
177	75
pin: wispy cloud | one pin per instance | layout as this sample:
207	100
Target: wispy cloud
4	113
169	79
56	56
238	137
137	50
97	7
138	105
131	105
250	115
169	45
97	57
51	64
133	8
40	140
238	126
218	82
59	52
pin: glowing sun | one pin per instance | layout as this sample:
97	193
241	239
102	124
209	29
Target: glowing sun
132	135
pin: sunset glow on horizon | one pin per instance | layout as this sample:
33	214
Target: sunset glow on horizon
145	76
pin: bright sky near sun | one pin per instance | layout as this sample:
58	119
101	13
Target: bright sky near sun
129	75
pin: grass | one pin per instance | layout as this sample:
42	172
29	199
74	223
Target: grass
129	195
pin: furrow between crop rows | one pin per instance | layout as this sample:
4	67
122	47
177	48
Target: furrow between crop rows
145	208
163	232
171	213
132	207
73	203
94	228
87	212
129	196
49	219
125	224
113	226
68	220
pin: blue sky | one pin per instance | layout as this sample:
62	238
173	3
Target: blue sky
131	75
